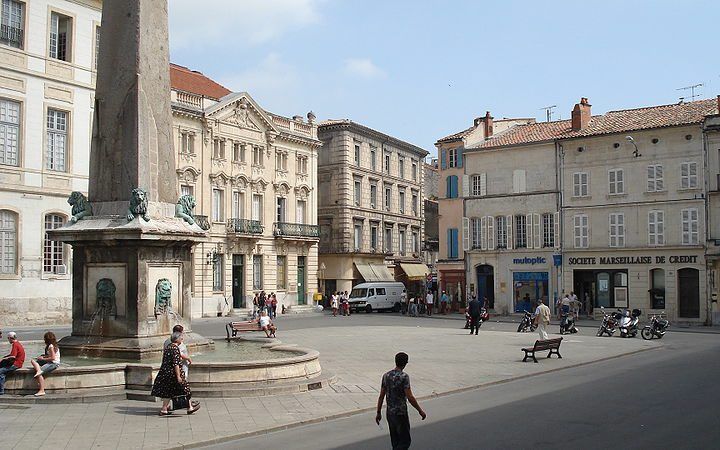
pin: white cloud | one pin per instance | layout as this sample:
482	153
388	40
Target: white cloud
243	23
362	67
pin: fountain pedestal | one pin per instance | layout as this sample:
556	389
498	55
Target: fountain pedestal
119	308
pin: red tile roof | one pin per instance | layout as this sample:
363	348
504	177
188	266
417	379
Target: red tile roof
649	117
456	136
621	121
184	79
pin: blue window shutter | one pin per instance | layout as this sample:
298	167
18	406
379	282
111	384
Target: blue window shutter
448	187
449	242
454	243
454	186
443	159
460	156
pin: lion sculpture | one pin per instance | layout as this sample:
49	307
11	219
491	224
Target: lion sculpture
163	296
81	208
184	208
106	296
138	205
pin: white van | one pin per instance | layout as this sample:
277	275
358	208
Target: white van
378	295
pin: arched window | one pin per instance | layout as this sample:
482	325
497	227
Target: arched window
8	242
53	251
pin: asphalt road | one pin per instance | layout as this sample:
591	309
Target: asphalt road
666	398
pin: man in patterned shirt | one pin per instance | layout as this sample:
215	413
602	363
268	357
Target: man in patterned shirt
396	387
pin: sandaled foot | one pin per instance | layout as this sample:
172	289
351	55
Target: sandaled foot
165	413
39	394
194	410
37	374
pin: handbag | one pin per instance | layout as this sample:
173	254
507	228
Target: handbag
180	402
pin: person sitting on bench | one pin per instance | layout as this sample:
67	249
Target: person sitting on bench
266	324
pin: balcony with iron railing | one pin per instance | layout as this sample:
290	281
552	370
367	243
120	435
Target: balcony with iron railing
202	222
296	230
12	36
244	226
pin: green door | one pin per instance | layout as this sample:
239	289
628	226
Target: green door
238	285
302	295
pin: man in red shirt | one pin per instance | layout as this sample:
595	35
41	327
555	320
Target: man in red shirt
13	361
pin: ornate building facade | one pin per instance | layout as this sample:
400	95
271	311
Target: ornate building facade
253	175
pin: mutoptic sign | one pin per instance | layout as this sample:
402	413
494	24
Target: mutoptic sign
530	260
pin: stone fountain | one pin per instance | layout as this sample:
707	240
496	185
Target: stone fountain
132	238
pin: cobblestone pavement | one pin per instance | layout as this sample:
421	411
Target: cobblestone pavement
442	360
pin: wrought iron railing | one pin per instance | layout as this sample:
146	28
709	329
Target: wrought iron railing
244	226
202	222
12	36
296	230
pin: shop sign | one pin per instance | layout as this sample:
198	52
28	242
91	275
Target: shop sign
532	261
622	260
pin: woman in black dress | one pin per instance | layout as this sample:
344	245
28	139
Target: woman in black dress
170	381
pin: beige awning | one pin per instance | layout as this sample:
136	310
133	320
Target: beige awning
374	272
415	271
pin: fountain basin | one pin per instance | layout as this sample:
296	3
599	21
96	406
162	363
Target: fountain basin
294	370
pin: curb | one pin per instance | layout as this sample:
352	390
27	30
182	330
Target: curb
345	414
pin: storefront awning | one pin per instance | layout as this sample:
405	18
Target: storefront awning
415	271
374	272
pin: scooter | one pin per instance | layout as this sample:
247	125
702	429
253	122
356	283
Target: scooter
656	329
629	323
526	324
484	317
567	324
609	323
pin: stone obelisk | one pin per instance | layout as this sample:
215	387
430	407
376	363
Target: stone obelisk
132	258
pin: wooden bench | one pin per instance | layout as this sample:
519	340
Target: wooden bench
541	345
233	328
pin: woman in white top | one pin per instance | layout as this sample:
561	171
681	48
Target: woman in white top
46	363
334	304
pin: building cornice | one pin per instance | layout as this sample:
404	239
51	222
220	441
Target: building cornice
362	129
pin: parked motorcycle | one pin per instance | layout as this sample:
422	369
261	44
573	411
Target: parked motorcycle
610	322
656	329
526	324
484	317
629	323
567	324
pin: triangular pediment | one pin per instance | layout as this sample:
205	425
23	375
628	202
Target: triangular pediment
240	109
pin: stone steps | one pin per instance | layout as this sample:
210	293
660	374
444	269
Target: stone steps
302	309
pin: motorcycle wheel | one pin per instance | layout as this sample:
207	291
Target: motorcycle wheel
520	328
647	334
601	331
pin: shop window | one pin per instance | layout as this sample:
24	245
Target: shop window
528	289
657	289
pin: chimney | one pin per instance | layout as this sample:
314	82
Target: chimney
718	103
488	121
581	114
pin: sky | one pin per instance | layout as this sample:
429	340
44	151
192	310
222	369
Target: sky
420	70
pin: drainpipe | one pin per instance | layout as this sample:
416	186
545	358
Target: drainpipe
708	267
559	166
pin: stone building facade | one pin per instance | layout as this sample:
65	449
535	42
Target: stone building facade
253	175
48	54
618	208
371	207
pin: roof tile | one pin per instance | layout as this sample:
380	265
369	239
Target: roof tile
184	79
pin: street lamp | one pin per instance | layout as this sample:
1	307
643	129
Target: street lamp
636	152
211	258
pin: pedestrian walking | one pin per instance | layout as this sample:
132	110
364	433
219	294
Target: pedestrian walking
273	305
334	303
345	304
542	319
395	387
413	307
12	361
261	302
403	302
429	303
256	306
184	353
474	312
170	382
443	302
